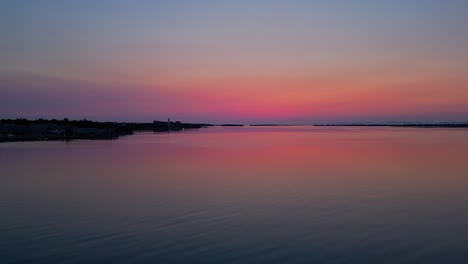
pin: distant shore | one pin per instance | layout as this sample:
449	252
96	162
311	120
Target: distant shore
14	130
422	125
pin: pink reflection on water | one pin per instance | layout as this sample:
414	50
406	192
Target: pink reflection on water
241	156
254	157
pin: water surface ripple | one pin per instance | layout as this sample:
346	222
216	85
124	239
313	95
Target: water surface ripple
239	195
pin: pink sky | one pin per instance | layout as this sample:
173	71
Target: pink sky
248	62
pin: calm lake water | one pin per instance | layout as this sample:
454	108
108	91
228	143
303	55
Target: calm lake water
239	195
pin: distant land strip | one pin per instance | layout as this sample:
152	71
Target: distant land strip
21	129
422	125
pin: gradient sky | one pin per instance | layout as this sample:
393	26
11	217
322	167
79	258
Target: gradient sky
235	61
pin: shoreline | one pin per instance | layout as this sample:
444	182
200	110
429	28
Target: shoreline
397	125
55	131
21	130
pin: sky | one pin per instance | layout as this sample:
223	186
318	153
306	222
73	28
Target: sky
244	61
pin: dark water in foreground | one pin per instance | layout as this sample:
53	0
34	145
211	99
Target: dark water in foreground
239	195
